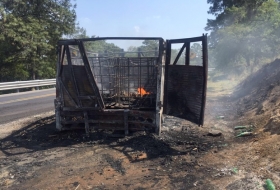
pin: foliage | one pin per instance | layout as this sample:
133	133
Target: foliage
195	55
101	47
150	48
131	51
104	48
244	32
29	31
78	33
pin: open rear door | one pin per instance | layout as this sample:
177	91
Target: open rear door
186	78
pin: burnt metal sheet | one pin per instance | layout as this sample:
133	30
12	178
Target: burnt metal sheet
184	92
68	87
83	86
75	82
185	85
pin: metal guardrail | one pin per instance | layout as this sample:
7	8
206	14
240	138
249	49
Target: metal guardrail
26	84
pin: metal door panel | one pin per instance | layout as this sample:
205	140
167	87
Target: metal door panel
185	85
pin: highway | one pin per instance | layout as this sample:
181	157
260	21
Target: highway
19	105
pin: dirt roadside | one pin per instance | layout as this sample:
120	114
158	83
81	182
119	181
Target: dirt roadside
33	155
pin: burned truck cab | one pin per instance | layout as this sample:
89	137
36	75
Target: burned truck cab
130	90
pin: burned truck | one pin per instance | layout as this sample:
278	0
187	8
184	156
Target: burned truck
129	90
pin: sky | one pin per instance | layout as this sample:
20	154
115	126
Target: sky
169	19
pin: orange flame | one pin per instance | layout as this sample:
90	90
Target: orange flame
142	91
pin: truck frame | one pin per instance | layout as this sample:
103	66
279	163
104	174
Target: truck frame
129	91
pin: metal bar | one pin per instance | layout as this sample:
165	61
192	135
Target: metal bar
110	68
73	41
167	63
86	122
121	77
72	73
60	59
148	73
179	54
140	86
128	81
100	75
205	73
90	74
187	57
26	84
80	109
160	85
115	77
138	74
96	122
184	40
118	80
126	121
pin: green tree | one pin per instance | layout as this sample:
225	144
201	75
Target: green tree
244	33
29	31
102	47
78	33
196	54
149	48
131	49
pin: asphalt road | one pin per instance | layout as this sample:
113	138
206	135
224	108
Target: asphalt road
19	105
